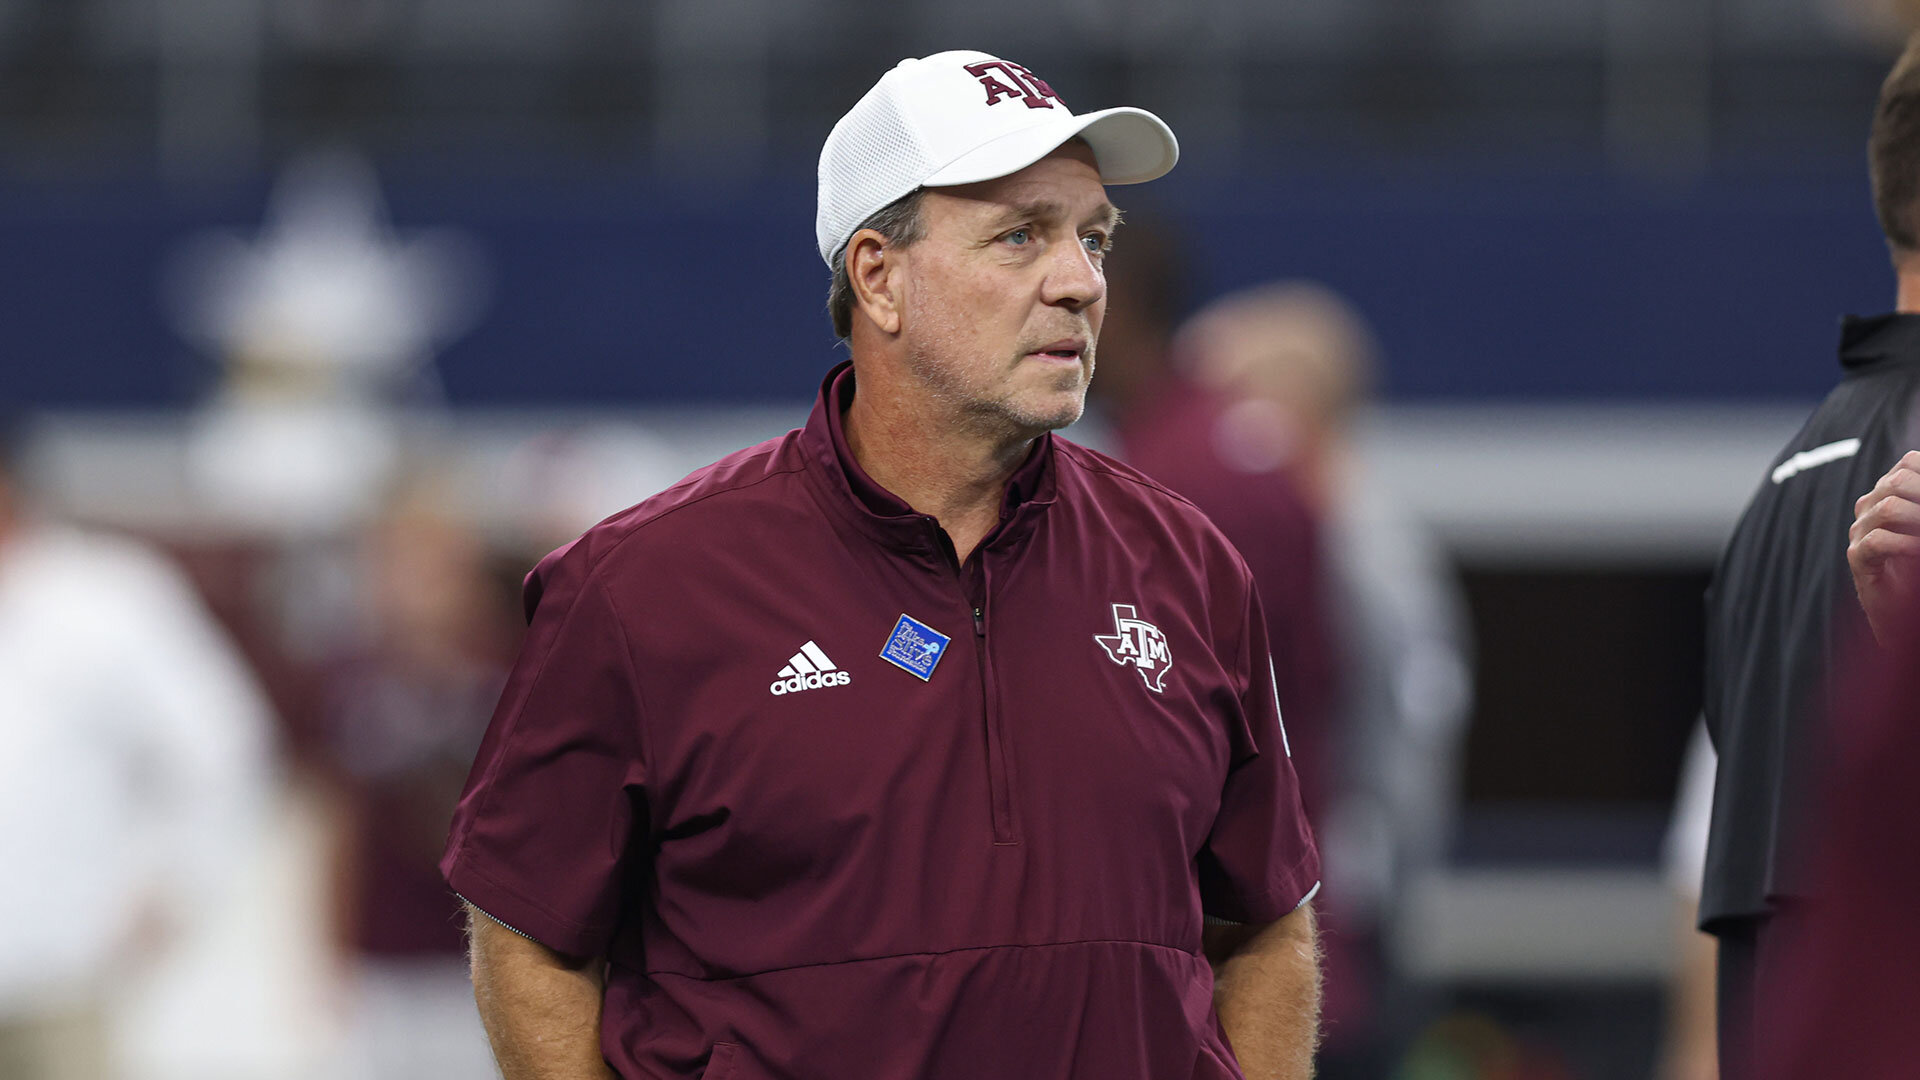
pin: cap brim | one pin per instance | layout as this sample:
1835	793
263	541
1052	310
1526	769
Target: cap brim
1131	146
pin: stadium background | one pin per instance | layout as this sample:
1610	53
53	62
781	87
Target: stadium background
1604	245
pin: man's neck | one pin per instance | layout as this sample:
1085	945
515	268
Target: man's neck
934	464
1906	299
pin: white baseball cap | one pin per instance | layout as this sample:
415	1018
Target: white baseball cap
961	117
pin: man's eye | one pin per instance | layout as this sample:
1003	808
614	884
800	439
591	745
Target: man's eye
1095	243
1018	237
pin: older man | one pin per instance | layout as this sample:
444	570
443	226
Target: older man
742	815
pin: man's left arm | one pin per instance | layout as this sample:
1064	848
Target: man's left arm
1266	989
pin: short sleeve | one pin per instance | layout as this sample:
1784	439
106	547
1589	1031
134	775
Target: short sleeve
545	829
1259	862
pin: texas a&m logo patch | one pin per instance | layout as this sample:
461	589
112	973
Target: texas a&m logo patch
1138	643
1006	79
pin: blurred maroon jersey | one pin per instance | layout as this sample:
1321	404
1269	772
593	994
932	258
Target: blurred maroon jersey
1842	997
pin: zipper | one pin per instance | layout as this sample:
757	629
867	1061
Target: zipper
975	585
1006	825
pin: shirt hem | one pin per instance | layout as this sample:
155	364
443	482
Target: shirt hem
1005	946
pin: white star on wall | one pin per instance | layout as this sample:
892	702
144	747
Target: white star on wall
326	321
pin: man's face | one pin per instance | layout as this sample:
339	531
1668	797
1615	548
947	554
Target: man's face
1005	294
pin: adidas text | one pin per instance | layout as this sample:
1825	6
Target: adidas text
810	682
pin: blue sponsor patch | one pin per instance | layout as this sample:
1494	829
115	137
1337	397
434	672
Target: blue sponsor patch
915	647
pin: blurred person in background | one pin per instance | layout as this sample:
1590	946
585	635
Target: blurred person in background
134	768
1237	468
1294	365
400	719
1250	414
1782	613
1235	465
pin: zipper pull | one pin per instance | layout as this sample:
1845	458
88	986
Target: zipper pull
979	622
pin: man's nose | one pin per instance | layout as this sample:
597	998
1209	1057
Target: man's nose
1074	278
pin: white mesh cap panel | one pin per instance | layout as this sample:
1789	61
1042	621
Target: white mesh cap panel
872	157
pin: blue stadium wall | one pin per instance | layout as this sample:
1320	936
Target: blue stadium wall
1544	287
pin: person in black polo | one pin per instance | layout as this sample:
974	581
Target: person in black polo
1782	615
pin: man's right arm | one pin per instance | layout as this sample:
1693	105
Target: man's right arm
541	1008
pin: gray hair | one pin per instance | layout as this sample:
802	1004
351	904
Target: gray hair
899	224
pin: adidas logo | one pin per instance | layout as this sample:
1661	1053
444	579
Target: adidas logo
809	669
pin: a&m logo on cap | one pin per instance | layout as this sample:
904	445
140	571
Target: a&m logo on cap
1006	79
915	647
1139	643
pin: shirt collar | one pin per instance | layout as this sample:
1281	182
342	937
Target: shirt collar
886	517
1869	340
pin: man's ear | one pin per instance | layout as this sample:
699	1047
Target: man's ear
873	271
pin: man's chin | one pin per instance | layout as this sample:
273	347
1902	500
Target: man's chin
1054	415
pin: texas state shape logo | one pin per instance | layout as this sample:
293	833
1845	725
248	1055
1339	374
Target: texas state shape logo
1138	643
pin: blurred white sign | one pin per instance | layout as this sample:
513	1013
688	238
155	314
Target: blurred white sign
326	321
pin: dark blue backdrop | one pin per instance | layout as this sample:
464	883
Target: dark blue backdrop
1481	287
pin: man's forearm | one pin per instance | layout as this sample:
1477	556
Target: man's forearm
1267	992
541	1009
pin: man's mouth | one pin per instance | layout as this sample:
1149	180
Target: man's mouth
1070	349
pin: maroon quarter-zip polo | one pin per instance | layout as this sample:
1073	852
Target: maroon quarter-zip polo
836	807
